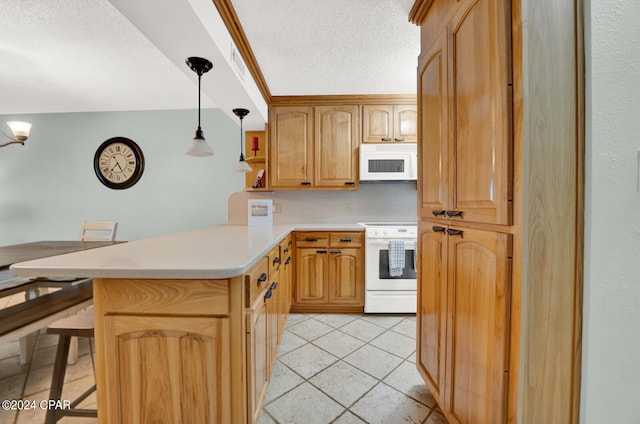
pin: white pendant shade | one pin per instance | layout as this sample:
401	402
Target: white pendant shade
243	166
20	129
199	147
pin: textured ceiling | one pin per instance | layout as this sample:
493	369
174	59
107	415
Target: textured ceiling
100	55
333	46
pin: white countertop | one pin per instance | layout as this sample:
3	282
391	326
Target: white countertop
210	253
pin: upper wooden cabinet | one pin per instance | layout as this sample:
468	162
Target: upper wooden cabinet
465	93
389	123
314	147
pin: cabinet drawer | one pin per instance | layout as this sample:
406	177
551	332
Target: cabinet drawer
312	239
350	239
256	281
274	260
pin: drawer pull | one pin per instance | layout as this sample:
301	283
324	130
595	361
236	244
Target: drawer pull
273	286
455	233
305	183
335	252
285	250
276	260
452	214
268	294
321	251
262	277
386	139
350	183
311	239
346	240
287	261
437	229
438	212
400	139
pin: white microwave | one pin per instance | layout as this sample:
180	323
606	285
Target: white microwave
389	162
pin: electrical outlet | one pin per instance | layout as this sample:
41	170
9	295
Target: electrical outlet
277	208
347	207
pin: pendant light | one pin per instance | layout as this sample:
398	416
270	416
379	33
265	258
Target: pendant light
242	165
199	146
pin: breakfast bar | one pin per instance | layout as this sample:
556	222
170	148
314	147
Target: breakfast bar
186	324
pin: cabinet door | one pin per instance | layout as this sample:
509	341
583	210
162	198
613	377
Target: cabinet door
346	285
478	305
481	166
290	152
273	317
311	276
257	358
432	306
405	123
336	144
433	149
377	124
140	349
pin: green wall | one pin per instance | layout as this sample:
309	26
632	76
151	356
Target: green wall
48	186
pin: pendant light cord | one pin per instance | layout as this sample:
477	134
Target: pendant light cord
199	78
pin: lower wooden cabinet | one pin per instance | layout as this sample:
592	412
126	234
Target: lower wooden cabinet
329	272
258	361
463	320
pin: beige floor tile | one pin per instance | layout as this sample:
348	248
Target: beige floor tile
282	380
310	329
304	404
407	380
265	418
373	361
344	383
338	344
11	387
7	416
294	319
11	366
362	330
406	327
337	320
384	320
395	343
436	417
385	405
308	360
290	342
348	418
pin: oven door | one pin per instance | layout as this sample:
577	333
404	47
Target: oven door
377	276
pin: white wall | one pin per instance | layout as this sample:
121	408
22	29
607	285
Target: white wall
611	331
48	186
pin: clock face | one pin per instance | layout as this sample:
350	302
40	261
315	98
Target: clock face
118	163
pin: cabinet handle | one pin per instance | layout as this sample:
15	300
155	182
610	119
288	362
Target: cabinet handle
451	214
287	261
305	183
312	239
437	229
273	286
345	240
400	139
335	252
349	183
321	251
268	294
285	250
455	233
262	277
276	260
438	212
386	139
289	244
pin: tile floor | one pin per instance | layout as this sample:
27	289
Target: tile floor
331	368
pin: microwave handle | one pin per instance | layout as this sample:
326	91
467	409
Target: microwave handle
386	139
400	139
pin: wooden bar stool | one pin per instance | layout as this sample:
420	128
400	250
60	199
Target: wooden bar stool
78	325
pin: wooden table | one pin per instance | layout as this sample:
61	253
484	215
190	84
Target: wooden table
40	308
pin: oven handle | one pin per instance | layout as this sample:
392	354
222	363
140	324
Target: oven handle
385	242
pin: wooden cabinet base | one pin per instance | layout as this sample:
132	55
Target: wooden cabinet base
306	308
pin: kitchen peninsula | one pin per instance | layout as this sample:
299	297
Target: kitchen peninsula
186	324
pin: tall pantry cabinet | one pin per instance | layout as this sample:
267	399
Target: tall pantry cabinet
500	157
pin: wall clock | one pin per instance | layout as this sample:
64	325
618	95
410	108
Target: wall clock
118	163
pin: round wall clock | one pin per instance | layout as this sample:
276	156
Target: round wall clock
118	163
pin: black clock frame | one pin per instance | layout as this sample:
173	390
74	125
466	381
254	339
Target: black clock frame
139	167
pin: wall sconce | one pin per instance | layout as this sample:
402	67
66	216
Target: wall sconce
199	146
242	165
20	132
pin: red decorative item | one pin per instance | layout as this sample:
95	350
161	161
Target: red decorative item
255	145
